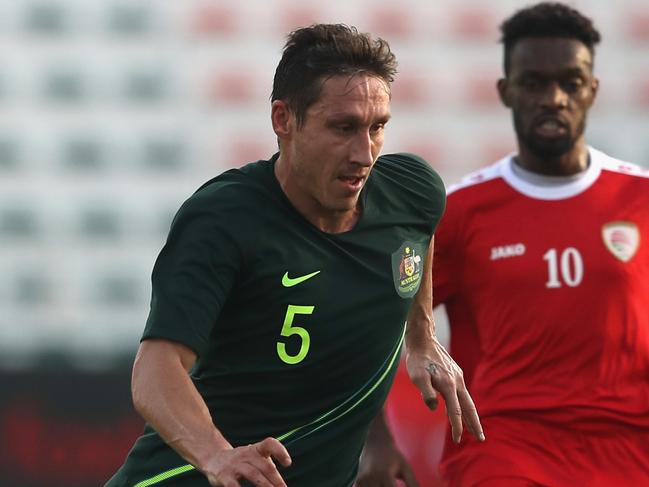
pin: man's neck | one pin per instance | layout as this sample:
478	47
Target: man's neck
324	219
572	162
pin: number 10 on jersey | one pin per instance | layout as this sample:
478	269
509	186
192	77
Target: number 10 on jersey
569	264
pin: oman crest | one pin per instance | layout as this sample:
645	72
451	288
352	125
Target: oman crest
622	239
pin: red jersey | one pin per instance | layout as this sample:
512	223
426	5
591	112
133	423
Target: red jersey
547	292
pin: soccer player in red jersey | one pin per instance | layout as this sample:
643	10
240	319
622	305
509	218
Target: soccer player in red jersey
542	261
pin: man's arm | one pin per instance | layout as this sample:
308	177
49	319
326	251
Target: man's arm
430	366
382	462
164	395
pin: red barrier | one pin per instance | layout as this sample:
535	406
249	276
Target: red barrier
67	429
73	429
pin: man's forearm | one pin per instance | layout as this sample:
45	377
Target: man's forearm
420	328
379	432
165	396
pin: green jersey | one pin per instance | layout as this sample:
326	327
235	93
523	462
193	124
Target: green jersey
297	331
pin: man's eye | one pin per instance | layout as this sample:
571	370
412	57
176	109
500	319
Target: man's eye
573	85
345	128
531	84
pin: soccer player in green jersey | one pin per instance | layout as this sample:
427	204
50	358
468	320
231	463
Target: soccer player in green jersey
281	295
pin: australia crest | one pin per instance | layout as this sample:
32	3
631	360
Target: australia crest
407	269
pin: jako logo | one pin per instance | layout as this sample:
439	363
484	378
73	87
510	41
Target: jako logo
506	251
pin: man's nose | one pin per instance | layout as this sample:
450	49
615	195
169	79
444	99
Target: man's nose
361	150
554	96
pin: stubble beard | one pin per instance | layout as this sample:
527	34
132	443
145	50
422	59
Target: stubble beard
547	148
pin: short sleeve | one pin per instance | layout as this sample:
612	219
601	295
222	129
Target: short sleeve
423	187
194	273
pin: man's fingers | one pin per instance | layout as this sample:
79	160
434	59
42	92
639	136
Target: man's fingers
431	399
446	378
454	413
408	477
428	394
375	480
423	382
470	414
270	447
260	476
271	474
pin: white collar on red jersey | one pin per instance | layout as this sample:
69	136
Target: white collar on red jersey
571	187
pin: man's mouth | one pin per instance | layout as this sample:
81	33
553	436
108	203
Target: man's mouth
550	127
353	183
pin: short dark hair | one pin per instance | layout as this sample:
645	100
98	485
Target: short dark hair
547	19
313	54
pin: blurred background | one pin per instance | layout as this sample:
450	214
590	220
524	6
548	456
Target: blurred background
112	112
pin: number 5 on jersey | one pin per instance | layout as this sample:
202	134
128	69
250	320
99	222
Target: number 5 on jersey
288	329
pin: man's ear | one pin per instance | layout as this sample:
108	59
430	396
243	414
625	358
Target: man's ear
594	86
281	119
503	93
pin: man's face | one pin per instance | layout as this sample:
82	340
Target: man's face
550	87
333	152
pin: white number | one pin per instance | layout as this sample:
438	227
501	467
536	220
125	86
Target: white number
551	257
571	266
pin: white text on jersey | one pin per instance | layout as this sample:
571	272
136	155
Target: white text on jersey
506	251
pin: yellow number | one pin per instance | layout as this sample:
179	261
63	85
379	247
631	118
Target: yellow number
288	329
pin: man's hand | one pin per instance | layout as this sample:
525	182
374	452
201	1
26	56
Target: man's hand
432	369
381	465
429	365
253	463
165	396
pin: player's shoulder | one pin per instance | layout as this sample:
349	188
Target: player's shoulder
409	179
407	159
236	185
617	166
478	180
406	182
406	164
250	175
231	193
408	173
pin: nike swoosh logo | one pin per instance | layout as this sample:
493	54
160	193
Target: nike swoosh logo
288	282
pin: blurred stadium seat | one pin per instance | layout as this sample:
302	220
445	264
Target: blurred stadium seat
218	20
129	20
10	156
83	154
636	19
294	14
475	24
392	22
19	223
46	18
